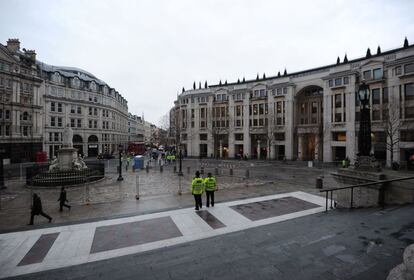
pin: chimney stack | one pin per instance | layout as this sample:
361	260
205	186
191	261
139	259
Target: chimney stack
31	54
13	45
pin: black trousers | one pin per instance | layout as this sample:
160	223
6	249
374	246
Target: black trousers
198	201
41	214
210	195
63	204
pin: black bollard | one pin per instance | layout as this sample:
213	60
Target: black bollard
231	171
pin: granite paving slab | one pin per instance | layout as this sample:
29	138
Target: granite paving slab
271	208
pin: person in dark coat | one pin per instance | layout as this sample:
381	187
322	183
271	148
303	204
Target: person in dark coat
62	199
37	209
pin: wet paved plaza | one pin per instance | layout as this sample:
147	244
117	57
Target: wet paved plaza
38	250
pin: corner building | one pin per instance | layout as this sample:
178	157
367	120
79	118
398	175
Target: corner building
307	115
97	113
21	124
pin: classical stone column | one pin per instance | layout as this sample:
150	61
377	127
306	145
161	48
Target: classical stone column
289	125
221	148
317	144
300	148
258	149
272	154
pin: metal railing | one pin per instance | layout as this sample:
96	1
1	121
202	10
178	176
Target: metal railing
381	195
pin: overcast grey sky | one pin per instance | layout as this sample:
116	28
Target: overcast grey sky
149	50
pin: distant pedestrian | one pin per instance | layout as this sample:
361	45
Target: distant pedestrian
62	199
210	186
197	188
128	161
37	209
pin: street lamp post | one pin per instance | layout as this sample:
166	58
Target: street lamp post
180	169
364	135
120	149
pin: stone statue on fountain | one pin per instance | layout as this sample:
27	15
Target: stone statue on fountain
67	158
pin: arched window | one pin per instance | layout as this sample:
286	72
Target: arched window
92	138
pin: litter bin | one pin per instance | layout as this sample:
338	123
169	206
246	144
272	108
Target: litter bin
138	162
319	183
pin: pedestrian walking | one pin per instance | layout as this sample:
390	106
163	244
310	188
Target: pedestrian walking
197	188
210	186
128	161
62	199
37	209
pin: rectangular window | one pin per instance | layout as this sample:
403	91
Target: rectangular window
95	111
203	136
52	106
284	90
90	124
72	122
56	134
238	136
376	115
79	122
377	74
409	91
280	136
338	117
346	80
279	107
79	110
59	122
409	68
60	107
375	96
7	130
52	121
339	136
407	135
338	82
279	91
90	111
330	83
314	107
409	112
261	110
95	124
367	75
398	70
338	100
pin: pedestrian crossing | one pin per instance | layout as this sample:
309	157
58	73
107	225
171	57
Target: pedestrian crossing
55	247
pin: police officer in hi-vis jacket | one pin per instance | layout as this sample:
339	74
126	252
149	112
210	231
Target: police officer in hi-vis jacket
197	189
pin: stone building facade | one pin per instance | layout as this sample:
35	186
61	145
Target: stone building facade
97	113
307	115
135	128
38	100
21	100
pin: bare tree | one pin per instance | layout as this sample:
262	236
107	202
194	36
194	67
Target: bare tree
393	124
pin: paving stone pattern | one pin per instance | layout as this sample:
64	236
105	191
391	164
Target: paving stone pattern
359	244
271	208
130	234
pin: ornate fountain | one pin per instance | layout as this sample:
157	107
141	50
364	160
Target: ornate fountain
68	168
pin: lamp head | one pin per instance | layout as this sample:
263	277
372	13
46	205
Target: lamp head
363	92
